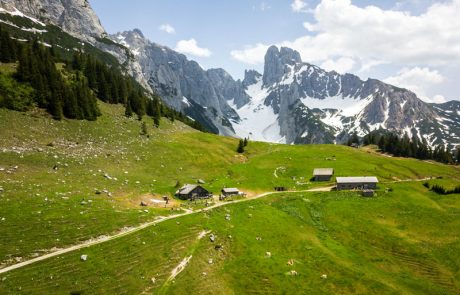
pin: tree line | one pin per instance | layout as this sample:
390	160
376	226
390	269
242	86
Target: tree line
440	190
73	90
392	143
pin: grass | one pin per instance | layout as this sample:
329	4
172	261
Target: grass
42	208
400	242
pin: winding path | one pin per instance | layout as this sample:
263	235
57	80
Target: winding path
131	230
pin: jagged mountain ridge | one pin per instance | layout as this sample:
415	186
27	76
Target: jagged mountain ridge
307	104
291	102
184	84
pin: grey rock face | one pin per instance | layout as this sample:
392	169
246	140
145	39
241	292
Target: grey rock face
183	84
76	17
277	62
251	77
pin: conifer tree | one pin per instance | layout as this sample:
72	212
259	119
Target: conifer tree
128	110
240	148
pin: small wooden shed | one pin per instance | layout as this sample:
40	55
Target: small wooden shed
192	192
230	191
357	182
323	174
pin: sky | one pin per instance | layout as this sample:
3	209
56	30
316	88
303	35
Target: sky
413	44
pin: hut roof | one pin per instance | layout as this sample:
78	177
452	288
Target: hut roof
230	190
186	189
357	179
323	171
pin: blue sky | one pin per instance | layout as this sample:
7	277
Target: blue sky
411	43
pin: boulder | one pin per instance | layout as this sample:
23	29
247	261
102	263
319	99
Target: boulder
84	257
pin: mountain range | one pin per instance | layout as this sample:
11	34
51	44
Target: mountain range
291	102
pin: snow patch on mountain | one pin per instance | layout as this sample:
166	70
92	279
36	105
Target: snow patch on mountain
257	120
347	106
16	12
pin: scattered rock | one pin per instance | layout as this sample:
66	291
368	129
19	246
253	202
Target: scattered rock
218	247
290	262
210	261
201	181
153	280
324	276
227	216
258	238
293	273
97	192
268	254
204	274
83	203
84	257
143	204
212	238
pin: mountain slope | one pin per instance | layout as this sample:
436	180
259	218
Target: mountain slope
183	84
291	102
307	104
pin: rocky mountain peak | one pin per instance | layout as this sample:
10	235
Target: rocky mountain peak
139	33
76	17
277	62
251	77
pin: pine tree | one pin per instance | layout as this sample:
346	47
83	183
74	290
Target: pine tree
240	148
457	157
245	142
128	110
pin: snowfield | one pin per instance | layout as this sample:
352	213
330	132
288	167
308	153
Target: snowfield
258	121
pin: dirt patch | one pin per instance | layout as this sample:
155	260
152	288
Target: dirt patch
150	200
240	159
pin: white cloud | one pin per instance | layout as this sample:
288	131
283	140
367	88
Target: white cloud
167	28
341	65
341	29
418	80
299	6
191	47
251	55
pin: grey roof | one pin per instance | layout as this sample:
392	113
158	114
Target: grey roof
186	189
323	171
230	190
357	179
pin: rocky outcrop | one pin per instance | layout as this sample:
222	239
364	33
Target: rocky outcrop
75	17
183	84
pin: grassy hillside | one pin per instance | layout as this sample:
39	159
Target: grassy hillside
400	242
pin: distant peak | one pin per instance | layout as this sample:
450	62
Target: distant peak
251	77
139	32
275	62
